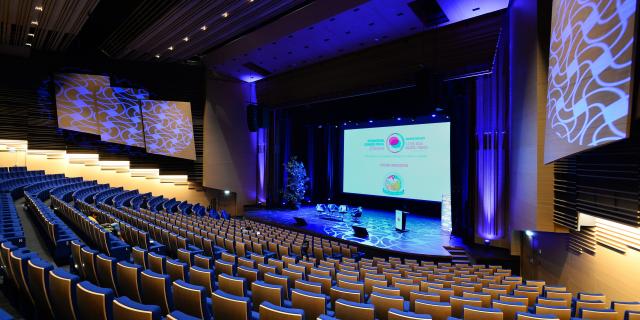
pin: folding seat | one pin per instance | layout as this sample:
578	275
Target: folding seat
225	267
128	275
293	275
509	309
485	298
38	275
325	281
632	315
245	262
279	264
346	276
520	299
228	306
532	295
551	302
289	260
531	316
156	290
307	265
126	309
370	282
177	270
264	292
179	315
395	314
139	256
581	304
584	296
444	293
307	286
232	285
203	261
349	310
566	296
494	293
336	293
94	302
62	293
458	304
623	306
479	313
437	310
185	256
76	246
229	257
313	304
248	273
269	311
241	249
419	295
598	314
283	281
18	262
202	277
548	288
106	272
562	312
405	289
536	283
190	299
382	303
157	262
353	285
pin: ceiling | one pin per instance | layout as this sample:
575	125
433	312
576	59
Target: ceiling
46	25
326	29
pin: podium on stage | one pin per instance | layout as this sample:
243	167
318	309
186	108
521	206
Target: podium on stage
401	220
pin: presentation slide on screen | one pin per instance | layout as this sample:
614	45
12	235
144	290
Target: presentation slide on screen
409	162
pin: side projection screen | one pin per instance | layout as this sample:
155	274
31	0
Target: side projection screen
75	101
119	116
168	129
590	69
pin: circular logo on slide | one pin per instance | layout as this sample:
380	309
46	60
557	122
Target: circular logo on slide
395	142
393	185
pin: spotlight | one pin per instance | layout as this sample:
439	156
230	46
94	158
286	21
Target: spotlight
433	115
170	48
344	124
227	192
225	15
39	8
203	28
398	118
185	39
370	121
157	56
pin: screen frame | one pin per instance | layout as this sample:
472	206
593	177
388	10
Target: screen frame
379	200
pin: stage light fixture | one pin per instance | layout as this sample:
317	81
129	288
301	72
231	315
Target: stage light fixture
203	28
185	39
170	48
225	15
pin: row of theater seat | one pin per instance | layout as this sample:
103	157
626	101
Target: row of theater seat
65	192
10	225
460	290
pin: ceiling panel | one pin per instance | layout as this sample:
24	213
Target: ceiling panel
46	25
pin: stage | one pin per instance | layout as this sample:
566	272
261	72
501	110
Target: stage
424	236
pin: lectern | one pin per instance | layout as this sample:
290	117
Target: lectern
401	220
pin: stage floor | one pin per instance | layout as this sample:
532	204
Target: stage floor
424	236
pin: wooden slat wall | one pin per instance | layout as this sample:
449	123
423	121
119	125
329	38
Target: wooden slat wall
603	182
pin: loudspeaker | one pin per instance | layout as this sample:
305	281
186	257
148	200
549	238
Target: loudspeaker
300	221
360	232
252	117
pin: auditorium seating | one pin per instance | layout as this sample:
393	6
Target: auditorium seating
185	277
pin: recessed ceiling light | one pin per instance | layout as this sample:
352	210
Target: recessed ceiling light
34	22
28	44
30	35
225	15
39	8
185	39
170	48
203	28
250	1
157	56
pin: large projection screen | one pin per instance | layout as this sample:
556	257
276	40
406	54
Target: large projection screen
75	101
408	162
119	117
168	128
590	69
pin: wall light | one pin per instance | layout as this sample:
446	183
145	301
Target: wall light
529	233
227	192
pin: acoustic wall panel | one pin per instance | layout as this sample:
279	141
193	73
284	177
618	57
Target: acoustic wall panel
168	128
119	116
75	101
590	69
